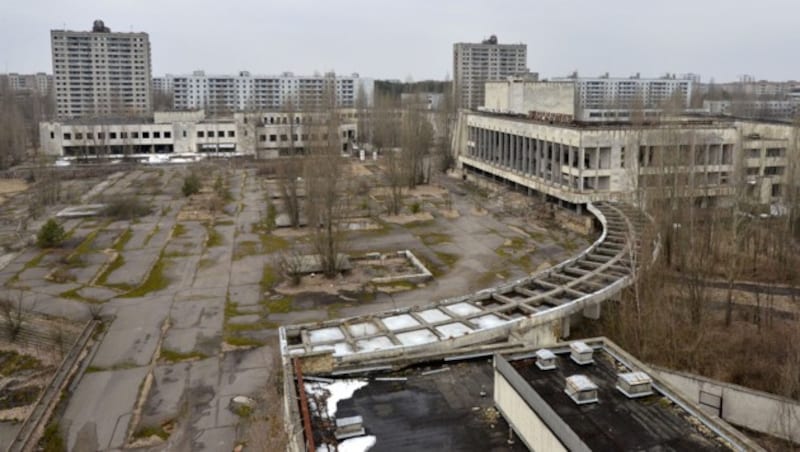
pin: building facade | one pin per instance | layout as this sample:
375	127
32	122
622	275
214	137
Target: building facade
474	64
39	82
98	72
608	92
539	143
247	92
265	134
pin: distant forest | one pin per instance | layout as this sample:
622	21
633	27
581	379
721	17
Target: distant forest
394	89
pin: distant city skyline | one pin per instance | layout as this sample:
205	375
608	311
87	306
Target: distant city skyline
398	40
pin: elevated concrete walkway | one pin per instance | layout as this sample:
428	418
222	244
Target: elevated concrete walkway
536	309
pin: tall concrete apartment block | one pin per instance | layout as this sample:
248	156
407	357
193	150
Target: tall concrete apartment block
248	92
475	64
98	72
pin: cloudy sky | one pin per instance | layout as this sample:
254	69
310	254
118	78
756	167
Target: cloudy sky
413	38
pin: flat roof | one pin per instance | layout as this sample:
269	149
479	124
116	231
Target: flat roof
615	422
437	407
686	121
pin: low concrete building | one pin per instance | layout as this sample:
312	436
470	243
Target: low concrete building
263	134
536	137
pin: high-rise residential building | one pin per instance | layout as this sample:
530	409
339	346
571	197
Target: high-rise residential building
247	92
610	92
38	82
98	72
475	64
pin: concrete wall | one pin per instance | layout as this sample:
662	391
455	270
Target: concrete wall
522	97
528	426
755	410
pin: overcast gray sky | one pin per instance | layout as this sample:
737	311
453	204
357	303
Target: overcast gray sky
402	38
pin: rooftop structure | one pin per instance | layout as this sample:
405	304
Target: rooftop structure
589	100
100	72
488	399
579	407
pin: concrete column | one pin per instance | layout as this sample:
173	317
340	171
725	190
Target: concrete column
565	324
591	311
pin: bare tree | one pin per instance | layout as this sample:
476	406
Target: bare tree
15	314
416	138
326	205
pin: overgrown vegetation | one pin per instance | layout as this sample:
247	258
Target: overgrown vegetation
156	280
191	185
126	208
51	234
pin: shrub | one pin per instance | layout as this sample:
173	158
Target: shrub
126	208
191	185
50	235
415	208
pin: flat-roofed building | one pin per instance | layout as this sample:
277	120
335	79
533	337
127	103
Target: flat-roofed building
477	63
100	72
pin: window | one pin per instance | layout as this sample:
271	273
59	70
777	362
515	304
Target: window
776	152
135	135
776	189
294	137
284	138
156	134
262	138
145	134
67	136
52	135
122	135
200	134
184	134
220	133
753	153
167	134
273	138
78	136
89	136
231	133
304	137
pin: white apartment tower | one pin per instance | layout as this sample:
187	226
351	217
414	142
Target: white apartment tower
475	64
98	72
248	92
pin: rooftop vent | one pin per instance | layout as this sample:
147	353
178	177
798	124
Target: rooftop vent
349	427
581	353
545	359
581	389
635	384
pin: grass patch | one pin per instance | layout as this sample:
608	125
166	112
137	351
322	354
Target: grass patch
214	237
448	259
279	306
150	235
84	247
35	261
225	223
91	369
268	278
173	356
118	262
205	263
150	431
243	411
271	243
156	280
12	362
123	239
73	294
435	238
238	341
244	249
179	230
52	439
231	309
398	286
